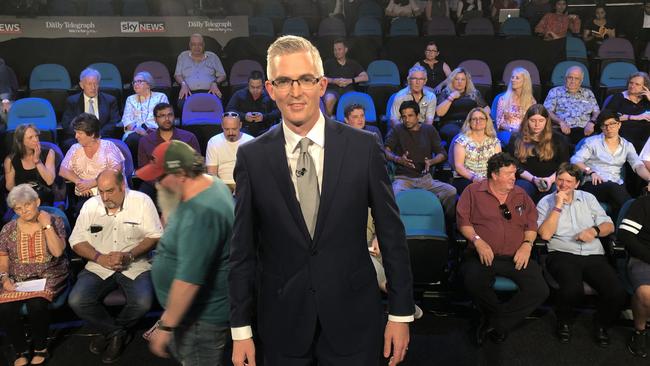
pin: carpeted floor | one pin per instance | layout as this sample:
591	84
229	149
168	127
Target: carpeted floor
436	339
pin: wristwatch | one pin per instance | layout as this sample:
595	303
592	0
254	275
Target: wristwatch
46	227
164	327
475	238
595	227
588	171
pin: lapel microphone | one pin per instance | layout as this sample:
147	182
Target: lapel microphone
300	172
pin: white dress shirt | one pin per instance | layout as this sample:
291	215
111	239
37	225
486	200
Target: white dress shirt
317	152
121	232
95	104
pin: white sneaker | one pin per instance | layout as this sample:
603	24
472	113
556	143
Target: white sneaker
418	312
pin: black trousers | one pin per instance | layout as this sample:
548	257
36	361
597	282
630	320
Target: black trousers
38	315
612	193
504	316
570	270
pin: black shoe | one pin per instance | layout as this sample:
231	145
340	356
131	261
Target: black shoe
602	337
115	348
496	336
563	331
637	344
97	345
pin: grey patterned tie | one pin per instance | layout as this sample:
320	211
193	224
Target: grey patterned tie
91	106
308	192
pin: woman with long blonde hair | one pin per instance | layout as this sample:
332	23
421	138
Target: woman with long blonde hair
471	150
515	101
539	150
456	98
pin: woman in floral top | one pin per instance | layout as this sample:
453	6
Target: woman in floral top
476	143
31	247
514	103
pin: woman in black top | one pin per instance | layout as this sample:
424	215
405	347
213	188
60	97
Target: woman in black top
437	70
598	29
29	164
539	150
633	108
456	98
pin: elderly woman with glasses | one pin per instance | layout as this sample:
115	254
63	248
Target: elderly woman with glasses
457	97
602	158
437	68
476	143
633	108
31	248
138	118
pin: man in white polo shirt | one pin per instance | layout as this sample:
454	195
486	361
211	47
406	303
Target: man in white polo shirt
115	231
221	153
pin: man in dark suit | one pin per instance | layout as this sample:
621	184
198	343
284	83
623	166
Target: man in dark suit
303	192
90	100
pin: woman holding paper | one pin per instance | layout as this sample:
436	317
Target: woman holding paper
31	249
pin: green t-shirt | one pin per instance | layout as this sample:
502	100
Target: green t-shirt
195	248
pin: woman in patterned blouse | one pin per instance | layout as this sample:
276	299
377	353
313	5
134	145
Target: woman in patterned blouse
514	103
31	247
476	143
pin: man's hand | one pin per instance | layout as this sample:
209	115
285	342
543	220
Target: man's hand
589	128
158	342
243	352
427	165
596	179
6	107
104	260
374	247
214	90
253	117
485	253
140	131
586	235
184	92
522	256
396	341
404	160
565	128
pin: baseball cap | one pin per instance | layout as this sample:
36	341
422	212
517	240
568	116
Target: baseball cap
168	158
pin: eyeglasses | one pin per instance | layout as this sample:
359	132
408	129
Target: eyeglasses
170	115
505	211
608	125
575	78
306	82
139	81
230	114
418	79
431	50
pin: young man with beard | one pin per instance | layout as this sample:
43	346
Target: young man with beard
164	116
190	269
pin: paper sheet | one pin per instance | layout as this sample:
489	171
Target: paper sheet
31	286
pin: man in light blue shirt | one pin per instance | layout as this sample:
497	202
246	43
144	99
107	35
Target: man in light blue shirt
572	221
602	157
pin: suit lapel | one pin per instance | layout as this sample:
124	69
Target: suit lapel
335	145
277	159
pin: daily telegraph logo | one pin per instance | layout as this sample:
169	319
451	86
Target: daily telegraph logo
142	27
211	25
10	28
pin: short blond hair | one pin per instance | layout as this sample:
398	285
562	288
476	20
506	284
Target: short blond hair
287	45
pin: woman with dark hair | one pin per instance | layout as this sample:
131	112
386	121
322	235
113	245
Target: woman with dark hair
31	247
539	151
437	69
456	98
557	24
598	29
89	156
633	108
28	164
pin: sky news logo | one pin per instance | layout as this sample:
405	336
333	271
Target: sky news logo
142	27
10	28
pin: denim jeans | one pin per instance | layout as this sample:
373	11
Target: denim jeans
199	344
89	291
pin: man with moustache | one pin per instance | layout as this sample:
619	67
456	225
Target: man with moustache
164	115
115	232
190	269
499	221
221	152
571	221
301	232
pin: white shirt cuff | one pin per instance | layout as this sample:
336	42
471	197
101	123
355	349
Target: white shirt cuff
241	333
400	319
